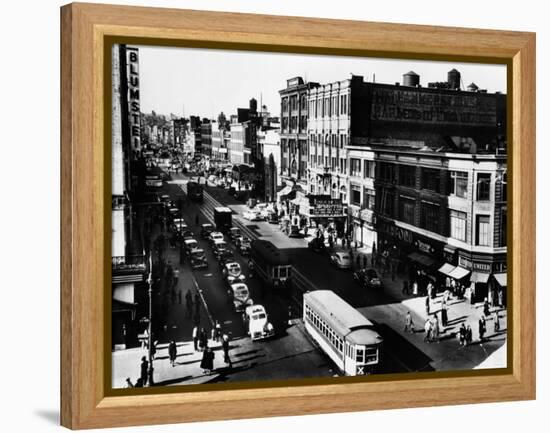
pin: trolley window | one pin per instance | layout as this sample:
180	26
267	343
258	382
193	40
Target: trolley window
360	354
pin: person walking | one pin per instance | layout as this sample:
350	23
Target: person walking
409	325
196	338
486	311
225	347
415	288
427	305
435	328
207	362
144	370
218	332
428	331
203	339
496	322
468	334
444	315
481	329
172	352
462	335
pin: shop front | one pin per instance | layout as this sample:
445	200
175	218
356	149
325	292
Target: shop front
362	226
322	211
416	254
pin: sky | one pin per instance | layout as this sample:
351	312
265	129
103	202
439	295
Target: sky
204	82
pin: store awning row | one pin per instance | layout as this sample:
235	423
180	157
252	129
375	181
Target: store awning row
446	269
479	277
455	272
422	259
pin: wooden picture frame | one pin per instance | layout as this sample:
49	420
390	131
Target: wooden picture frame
85	28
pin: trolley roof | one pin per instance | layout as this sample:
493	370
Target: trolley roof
342	317
269	252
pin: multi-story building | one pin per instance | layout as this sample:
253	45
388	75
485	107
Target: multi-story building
269	142
294	131
443	209
128	268
206	137
240	149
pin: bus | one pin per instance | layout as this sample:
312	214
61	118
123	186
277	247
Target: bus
194	191
344	334
270	263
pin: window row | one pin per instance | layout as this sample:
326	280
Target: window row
329	106
334	339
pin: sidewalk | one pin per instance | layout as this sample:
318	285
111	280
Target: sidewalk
446	354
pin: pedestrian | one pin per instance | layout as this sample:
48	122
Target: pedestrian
409	325
415	288
144	370
462	334
430	290
139	383
129	383
427	305
444	315
486	311
203	339
207	362
225	347
195	338
428	331
481	328
172	352
405	288
435	328
468	334
496	322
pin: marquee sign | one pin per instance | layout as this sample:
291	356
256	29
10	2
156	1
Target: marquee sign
325	206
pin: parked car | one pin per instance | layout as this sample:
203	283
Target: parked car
215	236
190	245
178	224
252	215
368	278
234	233
341	260
257	323
232	269
240	296
197	259
206	229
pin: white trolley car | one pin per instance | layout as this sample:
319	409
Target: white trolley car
343	333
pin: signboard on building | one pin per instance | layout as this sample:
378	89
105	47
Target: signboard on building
325	206
134	112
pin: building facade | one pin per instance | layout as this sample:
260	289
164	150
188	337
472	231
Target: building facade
206	137
294	131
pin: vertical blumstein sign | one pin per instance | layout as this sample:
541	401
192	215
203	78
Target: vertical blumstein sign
132	62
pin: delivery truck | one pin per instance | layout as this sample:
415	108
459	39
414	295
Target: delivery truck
222	218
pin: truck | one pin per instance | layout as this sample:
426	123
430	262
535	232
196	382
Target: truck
194	191
222	218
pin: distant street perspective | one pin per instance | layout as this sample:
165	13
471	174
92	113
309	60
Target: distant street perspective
360	229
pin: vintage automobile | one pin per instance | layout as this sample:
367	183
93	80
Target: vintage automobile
252	215
341	259
178	224
368	278
240	296
234	280
215	236
190	245
206	229
257	323
197	259
232	269
243	245
219	248
234	233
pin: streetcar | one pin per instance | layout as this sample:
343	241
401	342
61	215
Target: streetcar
270	263
344	334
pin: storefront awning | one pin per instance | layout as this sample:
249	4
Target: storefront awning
446	269
458	273
479	277
501	279
422	259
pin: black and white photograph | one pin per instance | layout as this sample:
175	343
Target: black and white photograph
283	216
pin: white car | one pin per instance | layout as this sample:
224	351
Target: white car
215	236
240	296
255	319
252	215
341	260
232	269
